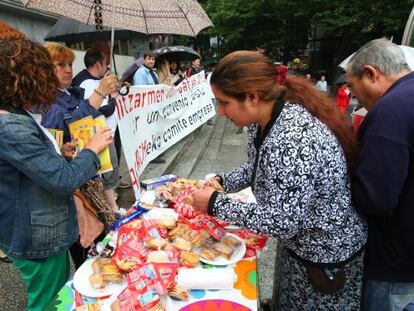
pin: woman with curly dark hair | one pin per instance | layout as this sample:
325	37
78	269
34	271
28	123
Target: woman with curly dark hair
300	148
37	211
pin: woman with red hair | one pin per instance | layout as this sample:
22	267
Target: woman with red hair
300	147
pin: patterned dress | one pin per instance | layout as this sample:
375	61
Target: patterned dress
303	197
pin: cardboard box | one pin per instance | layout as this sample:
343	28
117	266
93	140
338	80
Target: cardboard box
152	183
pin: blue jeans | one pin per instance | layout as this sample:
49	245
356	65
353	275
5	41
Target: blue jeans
387	296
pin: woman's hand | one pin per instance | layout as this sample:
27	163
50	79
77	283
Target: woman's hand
100	140
200	199
209	182
68	150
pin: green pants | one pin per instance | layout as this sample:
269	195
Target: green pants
43	279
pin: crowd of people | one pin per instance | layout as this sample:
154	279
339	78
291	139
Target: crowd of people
339	204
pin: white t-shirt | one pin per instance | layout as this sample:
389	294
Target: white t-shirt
89	85
322	86
38	118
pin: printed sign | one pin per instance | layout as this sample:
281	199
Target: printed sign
152	118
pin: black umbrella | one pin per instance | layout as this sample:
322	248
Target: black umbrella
130	71
177	53
69	30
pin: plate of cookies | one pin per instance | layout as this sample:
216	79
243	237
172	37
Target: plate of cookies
229	250
98	277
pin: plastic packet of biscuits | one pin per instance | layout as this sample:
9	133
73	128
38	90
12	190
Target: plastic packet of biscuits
130	255
124	301
155	243
252	239
211	225
150	229
143	294
167	272
168	255
128	231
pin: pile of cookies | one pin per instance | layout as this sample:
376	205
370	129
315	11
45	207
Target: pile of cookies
104	271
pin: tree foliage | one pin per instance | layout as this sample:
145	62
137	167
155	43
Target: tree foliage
284	27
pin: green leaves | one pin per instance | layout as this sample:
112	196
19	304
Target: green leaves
284	27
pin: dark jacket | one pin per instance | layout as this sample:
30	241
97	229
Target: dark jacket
194	70
299	177
37	212
67	109
83	75
383	183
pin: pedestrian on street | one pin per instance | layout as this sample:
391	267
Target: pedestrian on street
383	181
38	215
342	97
299	150
322	85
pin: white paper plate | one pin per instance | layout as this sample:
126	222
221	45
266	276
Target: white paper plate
167	302
221	261
83	286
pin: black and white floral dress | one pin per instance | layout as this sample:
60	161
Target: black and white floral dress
303	197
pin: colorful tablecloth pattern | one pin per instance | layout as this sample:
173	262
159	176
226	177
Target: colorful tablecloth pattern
242	297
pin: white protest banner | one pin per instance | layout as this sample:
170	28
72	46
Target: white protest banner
152	118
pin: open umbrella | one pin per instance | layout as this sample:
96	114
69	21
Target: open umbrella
69	30
181	17
128	73
407	50
177	53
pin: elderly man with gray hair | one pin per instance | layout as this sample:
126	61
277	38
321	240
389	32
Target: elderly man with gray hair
383	181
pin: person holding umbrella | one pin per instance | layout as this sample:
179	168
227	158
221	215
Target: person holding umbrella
89	79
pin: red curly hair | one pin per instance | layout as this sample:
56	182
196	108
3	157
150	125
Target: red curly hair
242	72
